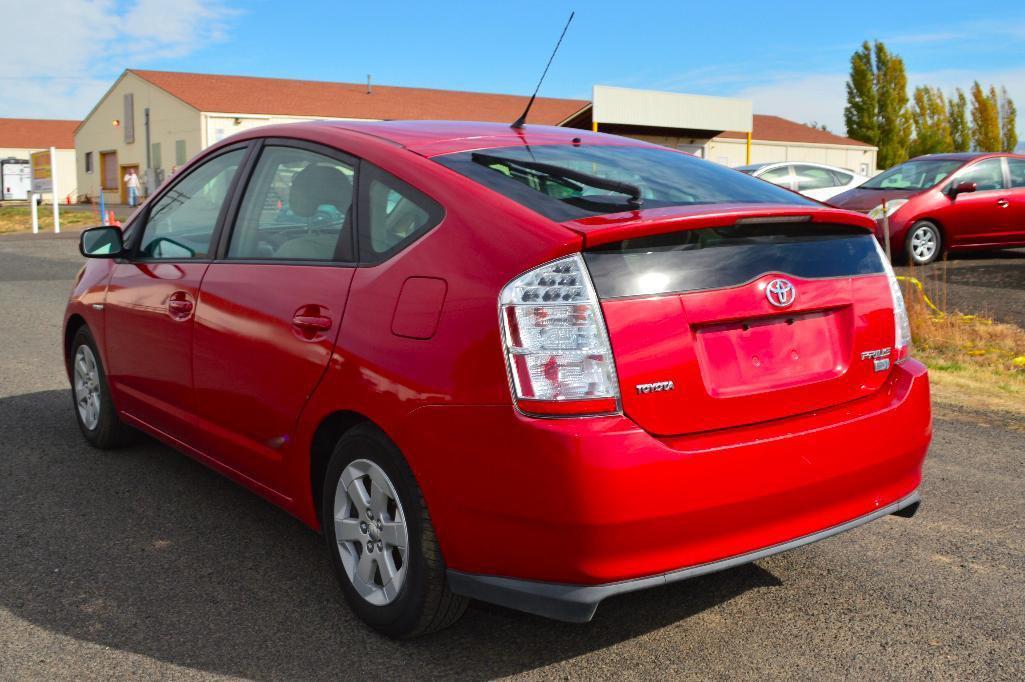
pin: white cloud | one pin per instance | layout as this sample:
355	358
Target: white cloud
61	55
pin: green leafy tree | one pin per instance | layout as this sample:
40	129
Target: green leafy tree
985	119
860	114
893	118
1008	121
931	122
960	132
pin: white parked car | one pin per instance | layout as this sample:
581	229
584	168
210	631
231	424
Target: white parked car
815	180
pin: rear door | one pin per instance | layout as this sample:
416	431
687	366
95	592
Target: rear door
721	327
152	294
271	305
982	216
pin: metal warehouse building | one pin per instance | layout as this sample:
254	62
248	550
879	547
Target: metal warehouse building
154	121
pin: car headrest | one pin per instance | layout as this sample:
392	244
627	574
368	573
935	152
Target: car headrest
317	185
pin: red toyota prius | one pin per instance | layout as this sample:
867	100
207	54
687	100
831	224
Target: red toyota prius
535	366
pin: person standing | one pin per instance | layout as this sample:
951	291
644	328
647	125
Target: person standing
132	185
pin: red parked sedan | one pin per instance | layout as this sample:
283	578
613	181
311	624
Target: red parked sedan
536	367
946	202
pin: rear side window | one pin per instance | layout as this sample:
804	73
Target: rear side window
721	257
393	214
568	182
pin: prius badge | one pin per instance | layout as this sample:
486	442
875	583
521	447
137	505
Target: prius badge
780	293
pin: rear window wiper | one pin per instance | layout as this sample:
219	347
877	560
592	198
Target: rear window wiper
632	191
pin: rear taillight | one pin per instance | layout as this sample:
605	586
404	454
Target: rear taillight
557	349
901	323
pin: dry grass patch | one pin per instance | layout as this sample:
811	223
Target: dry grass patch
973	361
19	219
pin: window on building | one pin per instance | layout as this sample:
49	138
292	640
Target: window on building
180	156
155	158
88	162
296	207
181	224
109	171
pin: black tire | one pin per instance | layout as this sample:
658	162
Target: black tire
109	432
922	228
424	603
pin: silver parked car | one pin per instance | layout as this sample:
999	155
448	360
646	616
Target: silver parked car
815	180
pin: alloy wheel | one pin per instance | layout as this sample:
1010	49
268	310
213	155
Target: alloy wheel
370	531
87	387
924	243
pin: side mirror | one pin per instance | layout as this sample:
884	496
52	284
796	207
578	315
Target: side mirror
961	188
101	242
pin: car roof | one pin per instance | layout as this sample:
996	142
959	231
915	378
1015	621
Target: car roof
959	156
431	138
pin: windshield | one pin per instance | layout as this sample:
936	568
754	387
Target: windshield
920	174
568	182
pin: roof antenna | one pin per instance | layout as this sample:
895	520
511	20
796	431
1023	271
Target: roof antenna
523	117
370	89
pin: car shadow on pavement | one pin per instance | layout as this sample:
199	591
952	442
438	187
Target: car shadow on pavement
147	551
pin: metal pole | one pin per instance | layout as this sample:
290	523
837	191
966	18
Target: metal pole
53	191
886	232
32	197
748	149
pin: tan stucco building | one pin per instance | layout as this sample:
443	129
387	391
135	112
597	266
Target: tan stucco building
19	137
154	121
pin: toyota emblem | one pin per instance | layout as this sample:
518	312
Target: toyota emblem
780	293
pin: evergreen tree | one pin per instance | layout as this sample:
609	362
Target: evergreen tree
862	106
985	119
1008	116
960	133
894	121
931	122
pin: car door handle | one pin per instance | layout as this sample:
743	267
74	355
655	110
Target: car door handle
179	307
311	323
1002	203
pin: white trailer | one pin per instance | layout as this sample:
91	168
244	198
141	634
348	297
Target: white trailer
15	179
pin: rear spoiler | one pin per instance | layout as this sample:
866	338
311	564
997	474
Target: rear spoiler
605	229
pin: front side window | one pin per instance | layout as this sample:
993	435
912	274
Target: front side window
813	177
181	224
396	214
568	182
777	176
1017	168
915	174
987	174
297	207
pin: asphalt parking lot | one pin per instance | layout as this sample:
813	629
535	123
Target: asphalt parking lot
142	563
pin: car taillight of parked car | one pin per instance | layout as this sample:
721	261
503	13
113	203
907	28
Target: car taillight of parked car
559	358
901	323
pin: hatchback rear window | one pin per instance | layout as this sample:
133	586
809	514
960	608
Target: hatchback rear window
721	257
568	182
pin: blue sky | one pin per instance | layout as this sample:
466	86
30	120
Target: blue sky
791	59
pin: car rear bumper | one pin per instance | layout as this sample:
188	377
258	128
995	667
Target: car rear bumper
577	603
599	501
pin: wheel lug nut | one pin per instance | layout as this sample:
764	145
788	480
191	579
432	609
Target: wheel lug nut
380	545
370	545
363	528
370	514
